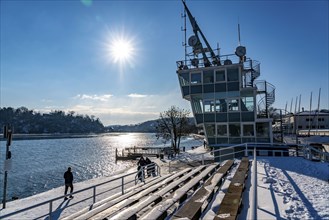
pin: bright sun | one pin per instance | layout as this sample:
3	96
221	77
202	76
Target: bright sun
121	50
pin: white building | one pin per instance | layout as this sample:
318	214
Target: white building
310	121
306	123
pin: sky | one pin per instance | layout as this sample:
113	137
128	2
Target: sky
67	55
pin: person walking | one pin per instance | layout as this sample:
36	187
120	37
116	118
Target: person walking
68	176
148	166
141	163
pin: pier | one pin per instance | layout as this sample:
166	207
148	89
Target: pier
133	153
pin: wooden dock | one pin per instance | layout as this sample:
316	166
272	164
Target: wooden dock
133	153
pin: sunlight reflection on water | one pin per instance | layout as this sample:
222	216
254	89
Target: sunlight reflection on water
39	165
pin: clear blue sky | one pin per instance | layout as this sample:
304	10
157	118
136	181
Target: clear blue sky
55	55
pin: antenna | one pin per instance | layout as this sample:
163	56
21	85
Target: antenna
240	51
196	30
184	29
239	32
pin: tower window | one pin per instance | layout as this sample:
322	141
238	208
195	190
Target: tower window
195	78
208	76
220	76
221	130
232	74
248	130
210	130
233	105
234	130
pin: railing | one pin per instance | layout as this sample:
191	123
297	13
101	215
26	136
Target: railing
247	149
125	181
147	171
198	62
142	151
266	94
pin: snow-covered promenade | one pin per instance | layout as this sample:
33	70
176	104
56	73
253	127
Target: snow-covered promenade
287	188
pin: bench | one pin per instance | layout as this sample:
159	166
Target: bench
112	200
193	208
229	208
160	210
141	203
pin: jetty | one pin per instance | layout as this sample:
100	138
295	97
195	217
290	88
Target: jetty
133	153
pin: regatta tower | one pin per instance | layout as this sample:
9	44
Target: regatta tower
227	100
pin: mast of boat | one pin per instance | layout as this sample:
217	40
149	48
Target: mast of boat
295	116
297	119
317	120
309	120
197	29
290	127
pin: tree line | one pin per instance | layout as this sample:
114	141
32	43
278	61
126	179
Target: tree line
170	126
25	121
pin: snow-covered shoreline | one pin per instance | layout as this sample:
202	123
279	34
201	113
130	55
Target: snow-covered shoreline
288	188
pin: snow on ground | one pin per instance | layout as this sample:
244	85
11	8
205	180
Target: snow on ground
292	188
288	188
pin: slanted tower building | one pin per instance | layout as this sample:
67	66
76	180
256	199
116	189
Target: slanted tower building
227	100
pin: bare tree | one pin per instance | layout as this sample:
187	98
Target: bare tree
172	125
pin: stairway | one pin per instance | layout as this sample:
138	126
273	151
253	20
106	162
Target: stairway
266	94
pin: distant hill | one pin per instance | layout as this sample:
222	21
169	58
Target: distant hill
148	126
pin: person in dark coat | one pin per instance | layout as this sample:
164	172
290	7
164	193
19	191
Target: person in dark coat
141	162
68	176
139	173
148	163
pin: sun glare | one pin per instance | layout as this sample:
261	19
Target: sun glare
121	50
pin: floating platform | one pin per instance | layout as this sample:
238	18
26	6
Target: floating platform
133	153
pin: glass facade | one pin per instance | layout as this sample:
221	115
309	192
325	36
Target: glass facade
223	105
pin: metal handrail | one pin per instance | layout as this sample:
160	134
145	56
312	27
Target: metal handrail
324	156
146	171
94	195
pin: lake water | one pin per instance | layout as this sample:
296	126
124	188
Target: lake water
39	165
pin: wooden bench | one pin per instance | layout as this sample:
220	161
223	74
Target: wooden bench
229	208
129	191
193	208
130	212
168	184
160	210
112	200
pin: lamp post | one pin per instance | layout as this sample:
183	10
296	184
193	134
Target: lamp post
7	133
281	128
